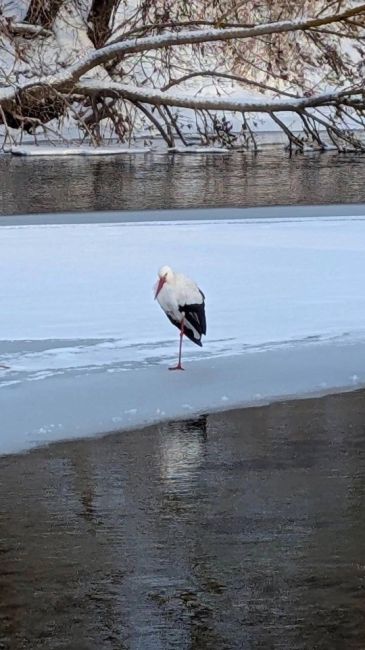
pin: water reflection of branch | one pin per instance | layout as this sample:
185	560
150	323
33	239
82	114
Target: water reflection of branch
84	483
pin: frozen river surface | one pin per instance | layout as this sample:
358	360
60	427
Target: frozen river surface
88	348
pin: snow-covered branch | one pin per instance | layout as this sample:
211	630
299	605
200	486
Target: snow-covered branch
59	63
69	76
159	98
191	37
23	29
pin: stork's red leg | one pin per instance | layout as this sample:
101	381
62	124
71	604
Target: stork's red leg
179	366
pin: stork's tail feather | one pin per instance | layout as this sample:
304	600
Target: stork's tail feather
189	334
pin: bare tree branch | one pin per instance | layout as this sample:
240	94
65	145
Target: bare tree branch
293	140
154	121
225	75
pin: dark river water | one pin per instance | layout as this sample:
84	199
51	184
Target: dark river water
139	182
237	530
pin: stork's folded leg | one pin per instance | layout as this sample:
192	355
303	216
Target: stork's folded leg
179	366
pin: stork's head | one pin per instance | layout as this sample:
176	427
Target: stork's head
165	274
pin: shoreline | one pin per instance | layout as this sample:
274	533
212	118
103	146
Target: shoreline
260	404
77	405
272	213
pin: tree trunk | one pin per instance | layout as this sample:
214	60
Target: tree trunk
99	21
43	12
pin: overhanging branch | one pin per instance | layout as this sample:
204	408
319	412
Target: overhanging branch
188	37
159	98
191	37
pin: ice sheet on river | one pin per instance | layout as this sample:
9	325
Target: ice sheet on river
88	348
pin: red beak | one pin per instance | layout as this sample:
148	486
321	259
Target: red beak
161	282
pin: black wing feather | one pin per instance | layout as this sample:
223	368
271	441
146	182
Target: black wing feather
187	331
195	315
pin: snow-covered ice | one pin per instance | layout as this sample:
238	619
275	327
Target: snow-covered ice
49	150
88	348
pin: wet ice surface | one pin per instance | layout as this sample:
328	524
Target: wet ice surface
234	530
88	348
58	404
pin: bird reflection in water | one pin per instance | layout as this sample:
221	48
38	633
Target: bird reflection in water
182	452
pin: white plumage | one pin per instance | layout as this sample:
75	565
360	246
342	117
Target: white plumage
183	303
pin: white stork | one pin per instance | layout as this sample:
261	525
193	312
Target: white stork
183	304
